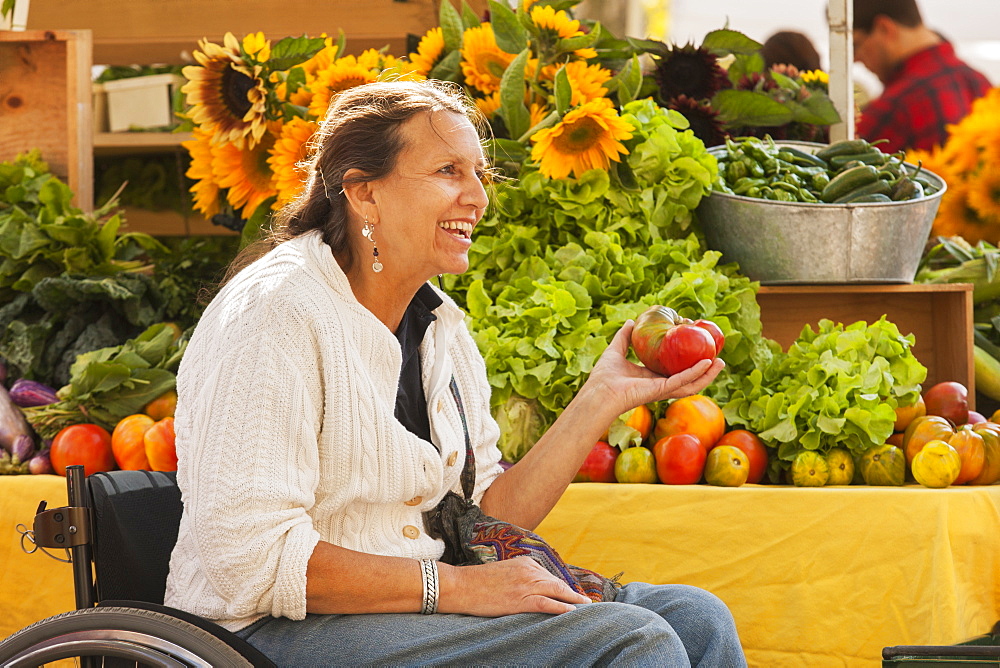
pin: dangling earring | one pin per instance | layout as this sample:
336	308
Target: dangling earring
367	231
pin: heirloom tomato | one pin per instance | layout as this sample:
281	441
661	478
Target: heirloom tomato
883	465
990	474
667	343
635	465
907	414
936	465
949	400
160	449
715	331
599	466
972	449
695	414
752	447
86	444
923	430
680	459
726	466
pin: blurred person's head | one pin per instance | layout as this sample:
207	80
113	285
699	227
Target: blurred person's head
788	47
887	32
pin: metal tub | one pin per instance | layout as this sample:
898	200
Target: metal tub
791	242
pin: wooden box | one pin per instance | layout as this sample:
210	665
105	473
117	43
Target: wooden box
148	32
939	317
45	103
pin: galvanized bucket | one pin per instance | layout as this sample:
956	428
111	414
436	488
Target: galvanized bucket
793	242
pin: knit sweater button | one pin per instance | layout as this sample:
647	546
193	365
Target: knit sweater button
415	501
411	532
452	458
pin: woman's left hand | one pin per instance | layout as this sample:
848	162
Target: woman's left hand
621	380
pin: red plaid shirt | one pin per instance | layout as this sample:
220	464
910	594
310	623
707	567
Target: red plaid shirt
930	90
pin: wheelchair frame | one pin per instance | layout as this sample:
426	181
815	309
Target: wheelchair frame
114	632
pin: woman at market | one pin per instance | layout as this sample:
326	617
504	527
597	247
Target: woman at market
327	401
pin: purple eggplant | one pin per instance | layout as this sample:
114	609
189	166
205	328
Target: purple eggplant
12	421
41	463
26	393
23	448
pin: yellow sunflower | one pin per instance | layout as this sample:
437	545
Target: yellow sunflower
226	95
984	193
205	189
429	51
585	81
489	104
537	112
245	173
558	25
815	77
483	62
588	137
255	46
343	73
287	157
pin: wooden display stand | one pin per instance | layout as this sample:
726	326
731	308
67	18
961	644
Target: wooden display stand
939	317
45	103
148	32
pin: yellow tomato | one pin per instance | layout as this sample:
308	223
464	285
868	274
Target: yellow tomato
636	465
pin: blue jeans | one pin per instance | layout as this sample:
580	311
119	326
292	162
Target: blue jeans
646	625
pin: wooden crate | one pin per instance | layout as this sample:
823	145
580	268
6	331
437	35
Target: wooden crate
147	32
939	317
45	103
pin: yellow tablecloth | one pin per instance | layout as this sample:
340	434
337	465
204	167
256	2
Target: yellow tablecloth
814	577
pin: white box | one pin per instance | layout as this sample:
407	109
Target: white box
141	102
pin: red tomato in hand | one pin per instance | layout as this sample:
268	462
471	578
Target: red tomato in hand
86	444
647	335
599	466
715	331
680	459
754	449
684	346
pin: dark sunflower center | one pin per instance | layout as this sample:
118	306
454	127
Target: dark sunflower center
578	137
235	89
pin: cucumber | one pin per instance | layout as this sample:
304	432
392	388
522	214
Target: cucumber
987	370
877	187
847	181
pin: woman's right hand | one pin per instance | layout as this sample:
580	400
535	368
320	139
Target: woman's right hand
504	588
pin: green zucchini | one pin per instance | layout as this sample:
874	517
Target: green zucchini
847	181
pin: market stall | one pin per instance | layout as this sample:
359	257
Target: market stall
862	569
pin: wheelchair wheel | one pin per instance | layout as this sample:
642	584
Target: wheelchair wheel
142	637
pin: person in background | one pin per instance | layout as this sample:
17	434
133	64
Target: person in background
926	86
788	47
331	397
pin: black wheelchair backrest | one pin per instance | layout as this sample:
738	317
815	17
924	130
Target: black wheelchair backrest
135	518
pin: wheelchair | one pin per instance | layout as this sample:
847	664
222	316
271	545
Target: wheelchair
120	528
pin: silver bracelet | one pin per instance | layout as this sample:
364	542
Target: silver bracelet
429	572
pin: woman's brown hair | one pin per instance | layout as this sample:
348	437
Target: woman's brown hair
361	131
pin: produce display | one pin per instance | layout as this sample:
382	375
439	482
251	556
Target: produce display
850	171
692	444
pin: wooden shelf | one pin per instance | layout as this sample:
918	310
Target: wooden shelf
939	317
170	224
111	143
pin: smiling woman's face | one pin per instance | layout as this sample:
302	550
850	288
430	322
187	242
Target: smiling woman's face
430	203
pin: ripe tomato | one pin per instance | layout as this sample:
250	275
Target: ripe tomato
715	331
972	449
647	335
599	466
695	414
680	459
86	444
684	346
949	400
726	466
127	442
635	465
752	447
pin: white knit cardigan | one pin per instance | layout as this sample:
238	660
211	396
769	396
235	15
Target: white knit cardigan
286	435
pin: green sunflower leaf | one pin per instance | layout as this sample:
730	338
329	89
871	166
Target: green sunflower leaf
510	36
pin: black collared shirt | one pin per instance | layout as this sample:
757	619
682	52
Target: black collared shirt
411	403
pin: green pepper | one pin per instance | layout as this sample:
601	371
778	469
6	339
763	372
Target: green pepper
785	196
872	157
741	186
820	180
735	171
